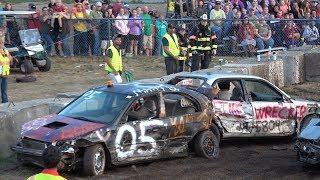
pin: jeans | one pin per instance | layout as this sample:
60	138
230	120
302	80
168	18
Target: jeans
204	58
65	45
171	65
80	46
158	47
95	46
293	42
218	31
4	89
261	44
227	29
49	42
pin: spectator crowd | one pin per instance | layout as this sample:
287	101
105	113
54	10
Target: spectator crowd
250	24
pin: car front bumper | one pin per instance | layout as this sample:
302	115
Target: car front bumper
308	152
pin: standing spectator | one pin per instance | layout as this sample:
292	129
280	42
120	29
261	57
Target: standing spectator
33	21
311	34
10	24
105	7
135	25
45	29
292	35
106	30
217	14
263	34
277	33
147	25
116	7
87	7
65	35
58	10
200	9
246	35
80	30
51	4
5	61
140	41
283	7
161	30
96	16
121	25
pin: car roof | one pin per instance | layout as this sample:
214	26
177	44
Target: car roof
218	75
137	89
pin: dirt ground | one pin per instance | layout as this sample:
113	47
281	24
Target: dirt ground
240	159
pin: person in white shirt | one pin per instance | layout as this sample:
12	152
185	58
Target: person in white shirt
311	34
121	24
217	14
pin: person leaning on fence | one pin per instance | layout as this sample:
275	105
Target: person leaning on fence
51	159
171	50
113	65
5	61
203	44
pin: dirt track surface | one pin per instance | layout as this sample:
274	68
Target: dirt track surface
239	159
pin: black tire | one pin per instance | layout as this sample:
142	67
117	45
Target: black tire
207	145
26	67
90	166
46	67
216	132
304	123
25	79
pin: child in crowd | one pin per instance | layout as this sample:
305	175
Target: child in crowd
58	9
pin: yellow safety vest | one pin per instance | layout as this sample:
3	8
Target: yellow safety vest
4	64
43	176
116	60
173	45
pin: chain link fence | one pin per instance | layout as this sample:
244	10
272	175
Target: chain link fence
236	37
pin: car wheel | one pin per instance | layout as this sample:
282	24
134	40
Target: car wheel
26	67
46	67
94	160
304	123
207	145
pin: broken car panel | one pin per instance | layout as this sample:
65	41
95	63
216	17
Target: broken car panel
122	124
249	106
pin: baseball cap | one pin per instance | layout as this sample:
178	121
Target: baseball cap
204	17
171	26
98	4
32	6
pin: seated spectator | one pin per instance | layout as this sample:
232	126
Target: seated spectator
217	14
135	25
311	34
236	23
296	11
265	12
284	7
277	33
200	9
228	23
237	3
58	10
272	4
292	34
279	14
257	8
121	25
253	17
263	34
246	35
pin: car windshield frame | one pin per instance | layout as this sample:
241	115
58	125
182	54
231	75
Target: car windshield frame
182	78
122	106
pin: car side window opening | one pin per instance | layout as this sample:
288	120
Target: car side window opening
177	105
144	108
227	90
261	91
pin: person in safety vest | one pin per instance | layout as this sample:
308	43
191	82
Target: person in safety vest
171	50
203	44
113	65
51	160
184	48
5	61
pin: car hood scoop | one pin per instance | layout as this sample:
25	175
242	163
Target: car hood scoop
55	125
56	128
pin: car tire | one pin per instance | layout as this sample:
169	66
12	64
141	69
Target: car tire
94	160
26	67
26	79
304	123
207	145
46	67
216	132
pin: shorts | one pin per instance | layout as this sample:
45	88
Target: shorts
147	42
134	37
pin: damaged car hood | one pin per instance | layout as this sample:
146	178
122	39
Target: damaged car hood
56	128
312	131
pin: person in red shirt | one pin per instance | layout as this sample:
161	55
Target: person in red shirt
116	7
51	159
246	35
33	22
59	10
292	34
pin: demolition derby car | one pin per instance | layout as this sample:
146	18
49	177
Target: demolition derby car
250	106
308	143
121	124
